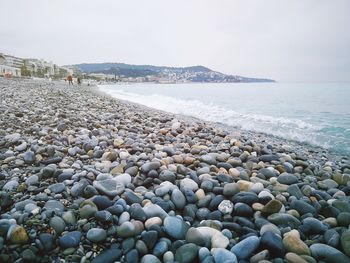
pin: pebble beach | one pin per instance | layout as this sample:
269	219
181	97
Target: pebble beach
85	177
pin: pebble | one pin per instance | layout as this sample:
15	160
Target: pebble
70	239
96	235
246	247
175	227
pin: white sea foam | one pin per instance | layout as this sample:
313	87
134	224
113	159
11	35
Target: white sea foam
288	128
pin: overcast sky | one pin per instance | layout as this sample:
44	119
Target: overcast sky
294	40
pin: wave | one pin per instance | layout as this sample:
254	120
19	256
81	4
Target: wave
287	128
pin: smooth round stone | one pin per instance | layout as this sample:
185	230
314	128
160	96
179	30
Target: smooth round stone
230	189
295	258
343	219
257	188
150	259
58	224
96	235
195	236
273	243
246	247
217	239
53	205
132	256
153	221
242	209
245	197
154	210
71	239
286	178
186	253
345	242
17	235
10	185
226	207
222	255
328	254
160	248
273	206
64	176
312	225
102	202
302	207
132	198
32	180
178	198
167	176
175	227
293	243
189	184
127	229
168	257
57	188
137	213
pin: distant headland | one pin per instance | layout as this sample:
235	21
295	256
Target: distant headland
12	66
158	74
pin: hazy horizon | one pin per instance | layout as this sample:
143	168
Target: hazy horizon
286	41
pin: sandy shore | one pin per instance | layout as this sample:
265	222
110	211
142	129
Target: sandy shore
88	178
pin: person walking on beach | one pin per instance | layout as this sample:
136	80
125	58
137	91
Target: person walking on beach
70	79
78	80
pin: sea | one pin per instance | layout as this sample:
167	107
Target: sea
317	114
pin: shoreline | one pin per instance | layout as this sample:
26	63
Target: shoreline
334	156
85	177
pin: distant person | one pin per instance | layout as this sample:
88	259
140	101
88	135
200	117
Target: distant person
89	82
70	79
78	80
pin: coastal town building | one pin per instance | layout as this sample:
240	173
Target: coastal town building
10	66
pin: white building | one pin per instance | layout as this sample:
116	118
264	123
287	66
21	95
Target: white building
7	66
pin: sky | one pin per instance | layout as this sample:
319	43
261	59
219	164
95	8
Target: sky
294	40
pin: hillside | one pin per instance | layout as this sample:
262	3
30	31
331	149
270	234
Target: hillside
160	73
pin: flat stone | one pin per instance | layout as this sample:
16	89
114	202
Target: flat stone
273	243
178	198
286	178
96	235
108	256
328	254
110	187
273	206
224	255
293	243
246	247
71	239
57	188
345	242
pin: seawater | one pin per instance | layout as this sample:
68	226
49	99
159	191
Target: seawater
313	113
